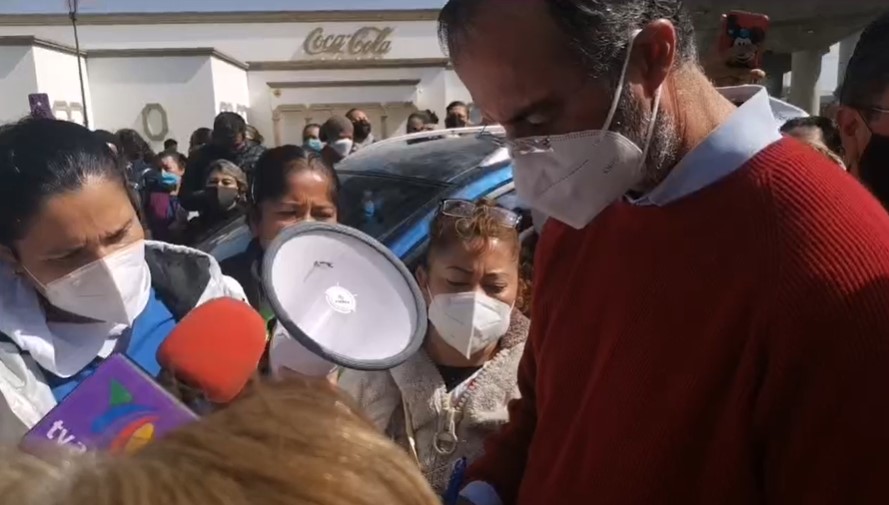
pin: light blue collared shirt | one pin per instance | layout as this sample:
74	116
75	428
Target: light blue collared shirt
753	127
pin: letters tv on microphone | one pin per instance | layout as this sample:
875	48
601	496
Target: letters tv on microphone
119	408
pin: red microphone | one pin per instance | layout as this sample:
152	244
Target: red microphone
216	349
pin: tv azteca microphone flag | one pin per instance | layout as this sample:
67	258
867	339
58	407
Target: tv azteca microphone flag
119	408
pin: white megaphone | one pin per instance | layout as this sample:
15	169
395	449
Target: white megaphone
341	299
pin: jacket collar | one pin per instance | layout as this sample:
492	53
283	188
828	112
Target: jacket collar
420	383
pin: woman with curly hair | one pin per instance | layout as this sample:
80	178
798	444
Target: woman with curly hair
444	401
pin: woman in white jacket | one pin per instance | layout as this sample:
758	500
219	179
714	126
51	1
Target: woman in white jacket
78	280
444	401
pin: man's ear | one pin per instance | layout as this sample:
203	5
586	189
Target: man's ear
850	125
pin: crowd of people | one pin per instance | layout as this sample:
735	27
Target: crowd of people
708	320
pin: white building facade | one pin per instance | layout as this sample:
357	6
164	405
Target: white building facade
165	75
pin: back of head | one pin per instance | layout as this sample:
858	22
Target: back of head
200	137
229	125
867	75
134	146
40	158
827	132
289	443
336	127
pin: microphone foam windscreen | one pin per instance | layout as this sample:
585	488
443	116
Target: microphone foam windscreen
216	348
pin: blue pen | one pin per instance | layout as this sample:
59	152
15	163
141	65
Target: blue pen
452	493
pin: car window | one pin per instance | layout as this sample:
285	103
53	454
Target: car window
378	204
438	159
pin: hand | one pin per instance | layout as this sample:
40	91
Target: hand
724	75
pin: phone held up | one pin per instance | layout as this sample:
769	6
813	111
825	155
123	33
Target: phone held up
742	38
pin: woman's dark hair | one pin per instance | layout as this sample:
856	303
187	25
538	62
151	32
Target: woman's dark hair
135	147
200	137
427	117
480	228
268	180
109	138
42	158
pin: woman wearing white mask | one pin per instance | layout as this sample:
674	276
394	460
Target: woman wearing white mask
444	401
77	279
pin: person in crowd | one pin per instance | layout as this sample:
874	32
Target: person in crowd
254	136
293	443
421	121
78	279
445	400
312	137
166	219
708	294
863	114
199	138
361	127
289	185
229	142
819	132
815	130
225	189
111	140
140	157
337	134
171	146
457	115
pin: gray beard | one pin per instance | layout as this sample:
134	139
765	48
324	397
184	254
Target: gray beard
632	121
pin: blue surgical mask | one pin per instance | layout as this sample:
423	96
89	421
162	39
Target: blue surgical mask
314	144
170	179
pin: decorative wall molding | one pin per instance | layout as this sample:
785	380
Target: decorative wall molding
180	18
31	41
165	53
343	84
348	64
153	134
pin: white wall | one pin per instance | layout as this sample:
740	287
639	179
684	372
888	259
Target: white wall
231	90
182	85
57	77
18	79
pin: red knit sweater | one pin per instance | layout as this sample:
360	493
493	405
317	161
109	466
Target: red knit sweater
729	348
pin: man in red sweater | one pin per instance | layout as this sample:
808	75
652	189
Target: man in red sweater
711	319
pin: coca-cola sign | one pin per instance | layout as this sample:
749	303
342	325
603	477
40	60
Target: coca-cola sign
365	42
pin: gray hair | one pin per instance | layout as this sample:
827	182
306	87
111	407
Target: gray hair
597	30
230	169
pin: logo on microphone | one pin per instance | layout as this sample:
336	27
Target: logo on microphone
132	425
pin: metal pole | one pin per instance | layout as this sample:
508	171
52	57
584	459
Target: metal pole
72	11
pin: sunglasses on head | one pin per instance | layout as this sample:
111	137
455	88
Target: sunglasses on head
457	208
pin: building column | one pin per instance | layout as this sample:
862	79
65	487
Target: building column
805	68
847	48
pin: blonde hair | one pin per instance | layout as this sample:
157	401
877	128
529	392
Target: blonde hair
284	444
826	151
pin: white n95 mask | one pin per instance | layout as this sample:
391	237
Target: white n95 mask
113	289
469	322
574	177
342	147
